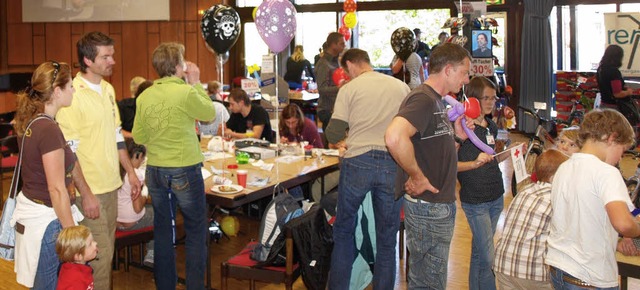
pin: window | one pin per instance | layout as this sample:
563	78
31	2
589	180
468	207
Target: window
376	27
589	36
254	47
312	30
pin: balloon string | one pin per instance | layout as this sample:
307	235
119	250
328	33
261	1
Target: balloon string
277	113
224	156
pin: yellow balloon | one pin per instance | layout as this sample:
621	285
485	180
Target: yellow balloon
230	225
253	14
350	20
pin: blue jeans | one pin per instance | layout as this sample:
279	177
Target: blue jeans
483	219
373	172
182	186
560	284
48	263
429	228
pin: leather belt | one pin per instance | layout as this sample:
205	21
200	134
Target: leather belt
570	279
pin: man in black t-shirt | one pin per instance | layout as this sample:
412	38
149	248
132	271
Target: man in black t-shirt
247	120
421	140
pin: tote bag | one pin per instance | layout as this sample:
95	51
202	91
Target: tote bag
7	232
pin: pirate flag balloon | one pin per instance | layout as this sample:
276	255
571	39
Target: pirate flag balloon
402	42
220	27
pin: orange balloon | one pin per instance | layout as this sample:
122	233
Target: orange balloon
350	6
472	108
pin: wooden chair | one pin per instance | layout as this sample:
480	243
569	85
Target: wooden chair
128	239
241	267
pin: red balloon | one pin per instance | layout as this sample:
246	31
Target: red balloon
345	31
350	6
472	108
339	76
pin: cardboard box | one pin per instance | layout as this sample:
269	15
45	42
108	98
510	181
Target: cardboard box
258	153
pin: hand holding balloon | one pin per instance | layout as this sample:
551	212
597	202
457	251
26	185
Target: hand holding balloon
458	110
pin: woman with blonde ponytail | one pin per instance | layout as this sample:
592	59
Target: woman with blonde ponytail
43	207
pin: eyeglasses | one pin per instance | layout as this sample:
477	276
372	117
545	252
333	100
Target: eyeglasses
488	98
56	69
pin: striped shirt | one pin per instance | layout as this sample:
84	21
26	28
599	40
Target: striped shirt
521	250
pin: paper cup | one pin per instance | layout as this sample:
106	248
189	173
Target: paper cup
242	177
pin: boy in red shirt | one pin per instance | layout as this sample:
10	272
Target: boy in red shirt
76	247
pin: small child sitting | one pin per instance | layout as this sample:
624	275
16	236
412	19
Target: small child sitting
135	214
75	247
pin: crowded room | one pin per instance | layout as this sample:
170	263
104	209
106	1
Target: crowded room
319	144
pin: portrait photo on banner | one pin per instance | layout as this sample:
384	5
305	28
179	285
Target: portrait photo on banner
481	43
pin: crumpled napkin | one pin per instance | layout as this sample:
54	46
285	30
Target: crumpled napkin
258	182
263	165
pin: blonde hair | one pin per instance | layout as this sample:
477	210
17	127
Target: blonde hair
601	124
72	241
135	83
298	54
213	87
570	133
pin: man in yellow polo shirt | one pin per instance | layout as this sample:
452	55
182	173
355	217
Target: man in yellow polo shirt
91	126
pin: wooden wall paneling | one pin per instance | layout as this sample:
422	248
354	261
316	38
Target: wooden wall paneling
176	10
39	50
38	28
96	26
77	28
191	47
191	10
135	55
153	39
116	78
14	12
172	31
115	27
206	61
75	63
153	27
20	40
58	42
8	102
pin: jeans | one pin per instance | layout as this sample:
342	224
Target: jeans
48	263
429	228
182	186
483	219
373	172
560	284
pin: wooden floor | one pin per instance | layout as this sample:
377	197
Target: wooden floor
141	279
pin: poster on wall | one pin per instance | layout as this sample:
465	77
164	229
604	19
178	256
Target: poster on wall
621	29
94	10
481	43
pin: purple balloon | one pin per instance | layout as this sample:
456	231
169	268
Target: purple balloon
456	111
276	23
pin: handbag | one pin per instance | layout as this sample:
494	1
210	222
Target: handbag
7	232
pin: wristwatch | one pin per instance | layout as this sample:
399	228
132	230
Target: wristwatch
457	139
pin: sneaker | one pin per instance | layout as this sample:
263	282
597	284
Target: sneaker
148	259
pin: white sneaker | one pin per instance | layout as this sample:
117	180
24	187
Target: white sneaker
148	259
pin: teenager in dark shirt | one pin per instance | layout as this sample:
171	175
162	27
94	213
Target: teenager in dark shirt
296	64
247	120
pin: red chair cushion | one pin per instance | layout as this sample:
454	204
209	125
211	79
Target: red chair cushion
243	259
9	161
122	234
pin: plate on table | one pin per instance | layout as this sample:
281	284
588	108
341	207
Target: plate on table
227	189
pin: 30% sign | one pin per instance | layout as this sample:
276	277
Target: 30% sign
482	67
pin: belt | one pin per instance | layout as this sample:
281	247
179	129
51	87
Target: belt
570	279
414	200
